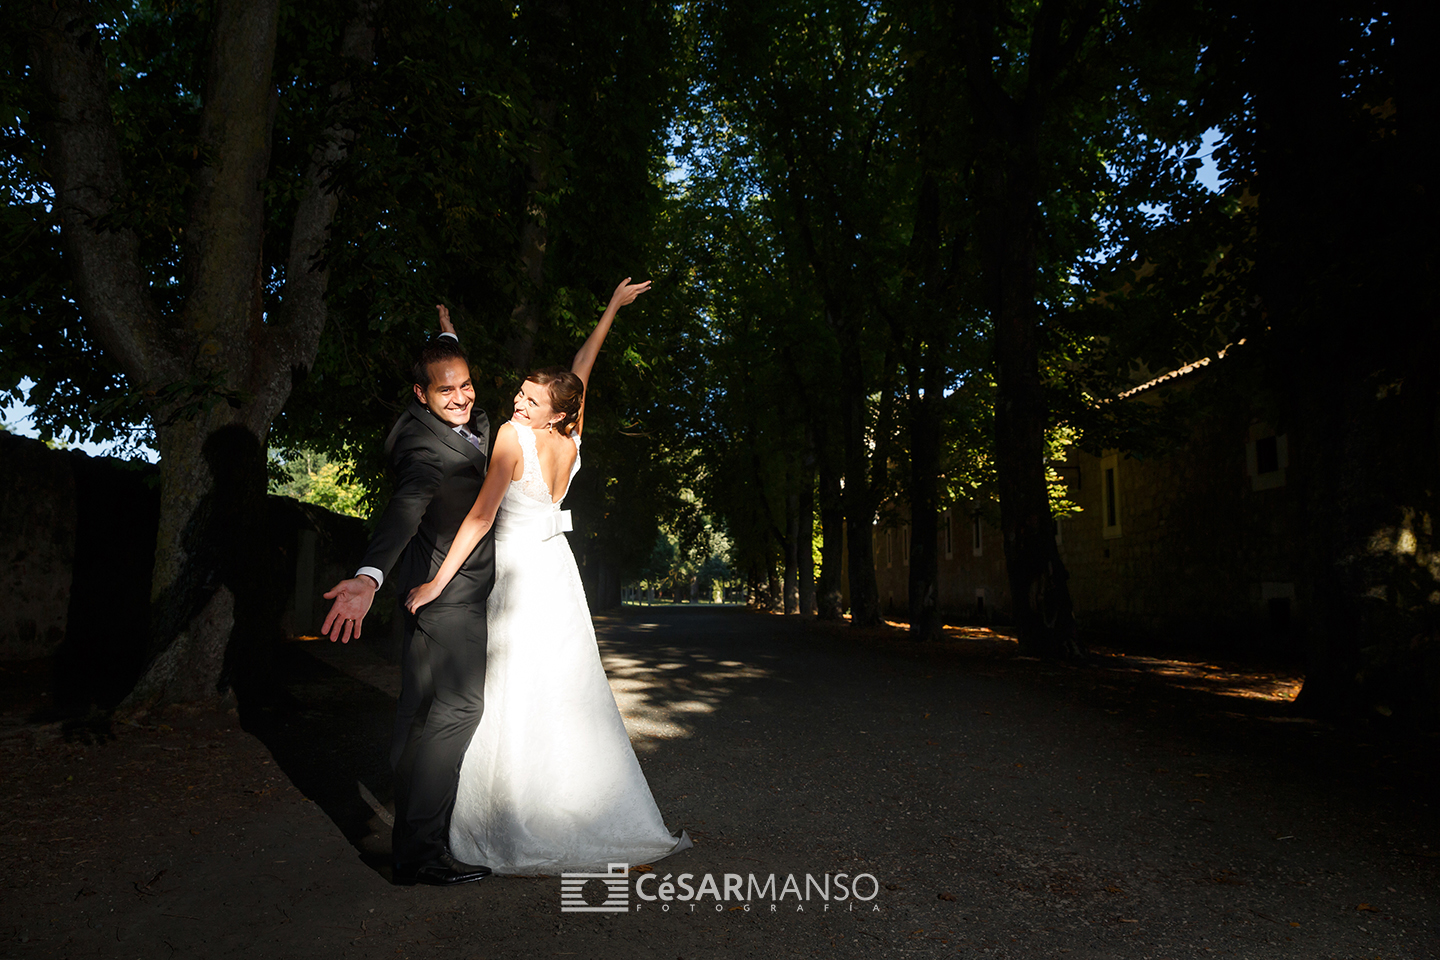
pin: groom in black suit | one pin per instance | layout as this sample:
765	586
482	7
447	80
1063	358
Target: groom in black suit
437	453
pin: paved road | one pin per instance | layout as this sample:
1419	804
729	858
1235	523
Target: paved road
990	808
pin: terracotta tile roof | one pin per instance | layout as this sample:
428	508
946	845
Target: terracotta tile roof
1178	372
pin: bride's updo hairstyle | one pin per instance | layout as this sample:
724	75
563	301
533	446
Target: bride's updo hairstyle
566	392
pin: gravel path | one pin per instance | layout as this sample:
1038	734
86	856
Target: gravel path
990	806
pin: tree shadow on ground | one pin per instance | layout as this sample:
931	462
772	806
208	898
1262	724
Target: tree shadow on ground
666	686
328	712
330	733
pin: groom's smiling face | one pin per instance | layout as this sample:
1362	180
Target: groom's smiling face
449	394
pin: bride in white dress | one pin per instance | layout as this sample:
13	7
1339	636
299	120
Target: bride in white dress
550	781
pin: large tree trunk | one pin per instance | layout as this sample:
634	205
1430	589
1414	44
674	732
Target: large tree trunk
829	599
534	234
1363	409
925	421
1293	105
792	553
858	492
864	591
927	347
545	54
223	368
1009	180
805	535
223	253
1039	591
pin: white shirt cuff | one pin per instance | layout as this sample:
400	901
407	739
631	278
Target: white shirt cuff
452	336
372	572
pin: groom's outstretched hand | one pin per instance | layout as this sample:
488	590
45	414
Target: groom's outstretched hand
446	326
352	601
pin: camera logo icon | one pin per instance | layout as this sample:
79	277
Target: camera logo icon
617	891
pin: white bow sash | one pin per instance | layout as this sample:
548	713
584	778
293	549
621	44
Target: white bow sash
555	524
542	528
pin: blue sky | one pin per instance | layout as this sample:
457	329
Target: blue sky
18	418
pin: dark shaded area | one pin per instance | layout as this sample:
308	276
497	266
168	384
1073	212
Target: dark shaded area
117	511
268	549
1010	808
1240	709
330	733
243	542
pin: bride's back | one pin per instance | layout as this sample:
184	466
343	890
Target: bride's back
555	455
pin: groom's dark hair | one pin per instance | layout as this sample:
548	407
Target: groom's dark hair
437	350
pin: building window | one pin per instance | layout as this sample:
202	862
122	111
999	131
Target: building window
980	602
889	548
1110	503
905	546
949	536
1279	601
1266	457
977	541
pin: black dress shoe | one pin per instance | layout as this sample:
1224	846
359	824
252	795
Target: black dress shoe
443	871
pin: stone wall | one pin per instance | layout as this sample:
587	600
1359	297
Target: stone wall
971	563
77	544
1201	545
37	547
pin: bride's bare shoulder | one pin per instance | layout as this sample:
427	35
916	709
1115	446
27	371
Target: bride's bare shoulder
507	441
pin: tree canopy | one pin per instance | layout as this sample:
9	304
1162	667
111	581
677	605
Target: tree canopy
904	251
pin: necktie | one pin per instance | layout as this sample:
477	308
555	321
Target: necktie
470	438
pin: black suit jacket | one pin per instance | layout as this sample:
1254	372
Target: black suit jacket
437	476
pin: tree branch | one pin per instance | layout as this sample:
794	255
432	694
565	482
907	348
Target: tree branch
82	163
977	42
296	338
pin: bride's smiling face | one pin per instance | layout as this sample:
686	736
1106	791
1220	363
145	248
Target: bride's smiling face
532	406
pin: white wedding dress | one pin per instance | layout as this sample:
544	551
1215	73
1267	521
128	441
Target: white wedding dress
550	781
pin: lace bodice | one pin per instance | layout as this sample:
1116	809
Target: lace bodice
527	510
532	481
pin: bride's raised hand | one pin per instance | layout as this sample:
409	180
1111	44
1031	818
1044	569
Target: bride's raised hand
446	326
626	293
421	595
584	360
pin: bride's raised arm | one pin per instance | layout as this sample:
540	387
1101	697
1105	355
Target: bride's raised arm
584	360
478	521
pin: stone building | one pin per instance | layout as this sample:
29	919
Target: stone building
1199	545
970	556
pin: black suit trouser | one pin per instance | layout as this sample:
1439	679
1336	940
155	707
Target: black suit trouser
442	695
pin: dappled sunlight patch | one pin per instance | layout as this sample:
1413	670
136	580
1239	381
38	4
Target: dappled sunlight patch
1262	688
691	706
1225	680
979	633
660	695
963	639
